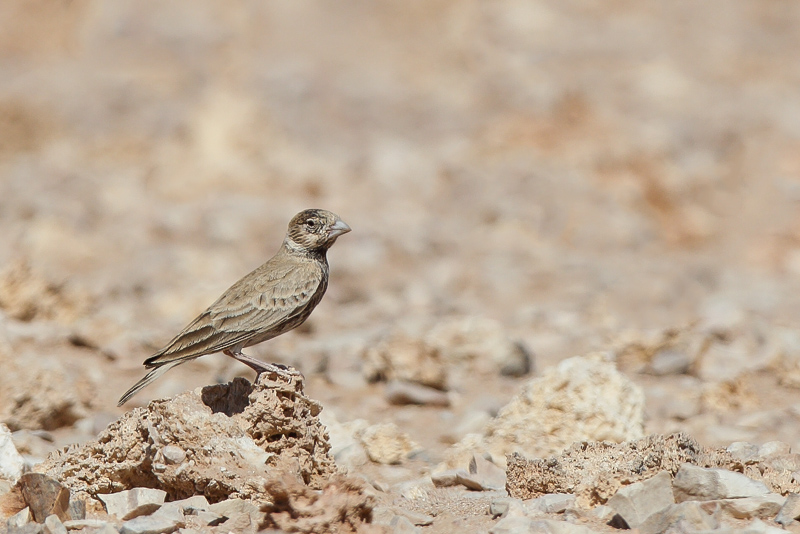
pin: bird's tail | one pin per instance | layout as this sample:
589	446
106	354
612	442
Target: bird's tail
148	378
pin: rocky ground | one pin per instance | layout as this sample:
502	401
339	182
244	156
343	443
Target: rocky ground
569	300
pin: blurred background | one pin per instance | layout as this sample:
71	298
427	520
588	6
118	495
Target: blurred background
588	175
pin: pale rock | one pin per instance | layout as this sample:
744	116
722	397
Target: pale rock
500	507
694	483
134	502
230	508
80	524
743	451
108	528
403	356
774	448
482	343
400	393
551	503
686	517
401	525
173	454
790	510
21	518
446	479
485	474
11	461
670	362
635	503
384	443
580	399
526	525
53	525
150	524
757	526
414	489
764	507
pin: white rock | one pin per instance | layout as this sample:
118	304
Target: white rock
11	461
637	502
133	502
765	507
151	524
694	483
552	503
53	525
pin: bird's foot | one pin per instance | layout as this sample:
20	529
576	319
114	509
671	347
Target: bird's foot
288	373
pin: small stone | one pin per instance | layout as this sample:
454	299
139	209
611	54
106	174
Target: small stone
150	524
416	518
77	509
757	526
694	483
774	448
45	496
400	393
485	474
78	524
233	507
11	461
687	516
133	502
448	478
173	454
765	507
401	525
670	362
187	506
552	503
525	525
414	489
744	452
499	507
513	525
29	528
21	518
53	525
386	444
637	502
790	510
108	528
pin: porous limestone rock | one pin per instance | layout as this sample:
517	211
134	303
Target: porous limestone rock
235	437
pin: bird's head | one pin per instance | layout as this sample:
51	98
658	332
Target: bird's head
315	230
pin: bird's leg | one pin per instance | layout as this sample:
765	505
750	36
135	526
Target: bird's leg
263	367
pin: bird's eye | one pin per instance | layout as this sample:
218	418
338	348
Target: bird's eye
311	223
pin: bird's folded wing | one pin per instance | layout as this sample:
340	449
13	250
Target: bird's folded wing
250	308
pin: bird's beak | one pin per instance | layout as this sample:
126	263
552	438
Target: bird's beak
339	227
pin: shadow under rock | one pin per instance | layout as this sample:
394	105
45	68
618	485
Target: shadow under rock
231	398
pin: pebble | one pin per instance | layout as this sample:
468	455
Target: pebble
637	502
790	510
150	524
78	524
400	392
11	461
765	507
53	525
45	496
694	483
134	502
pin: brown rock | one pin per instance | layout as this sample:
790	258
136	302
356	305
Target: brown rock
45	496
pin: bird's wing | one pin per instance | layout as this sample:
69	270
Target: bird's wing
259	302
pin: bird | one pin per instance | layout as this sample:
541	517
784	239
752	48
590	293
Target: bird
271	300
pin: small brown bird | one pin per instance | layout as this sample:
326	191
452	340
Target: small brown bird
273	299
